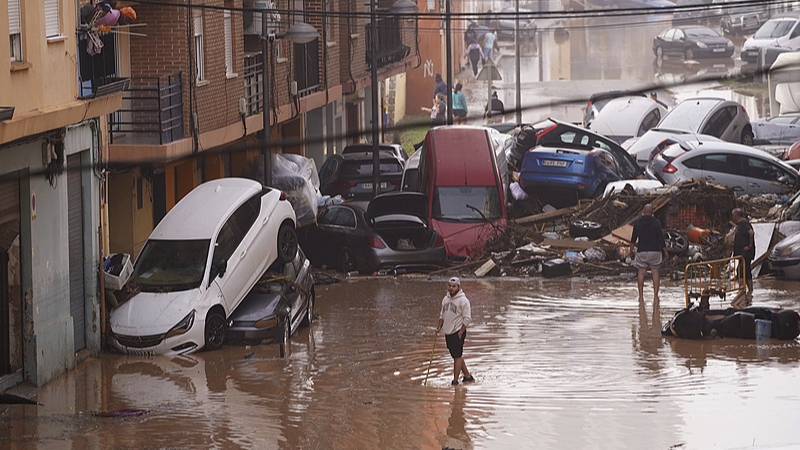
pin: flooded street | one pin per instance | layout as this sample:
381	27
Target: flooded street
569	363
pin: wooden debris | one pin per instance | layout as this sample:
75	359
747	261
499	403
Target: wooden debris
485	268
544	217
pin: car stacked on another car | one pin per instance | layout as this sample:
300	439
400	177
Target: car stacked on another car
350	175
645	147
777	130
199	263
744	169
723	119
692	42
627	117
599	100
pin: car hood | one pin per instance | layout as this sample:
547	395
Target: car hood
149	313
752	43
256	306
411	203
464	239
789	247
708	40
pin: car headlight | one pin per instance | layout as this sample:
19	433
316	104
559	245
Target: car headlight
791	249
701	45
267	322
182	327
730	44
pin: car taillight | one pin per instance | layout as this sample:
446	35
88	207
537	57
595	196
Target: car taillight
669	168
439	240
375	242
283	195
593	152
396	181
342	184
581	186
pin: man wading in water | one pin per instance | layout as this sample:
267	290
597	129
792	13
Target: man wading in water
649	240
454	319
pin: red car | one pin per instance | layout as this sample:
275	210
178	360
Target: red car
459	173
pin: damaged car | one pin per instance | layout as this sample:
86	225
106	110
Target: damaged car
391	232
199	263
784	259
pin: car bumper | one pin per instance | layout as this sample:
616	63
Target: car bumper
719	52
183	344
413	260
788	268
252	335
750	55
570	184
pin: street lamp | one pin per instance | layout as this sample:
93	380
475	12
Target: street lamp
299	33
399	7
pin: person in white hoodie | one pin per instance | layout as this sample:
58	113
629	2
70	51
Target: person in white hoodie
454	319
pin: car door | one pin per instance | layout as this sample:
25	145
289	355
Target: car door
231	248
794	38
725	169
779	130
677	43
721	124
764	176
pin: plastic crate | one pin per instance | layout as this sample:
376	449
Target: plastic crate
117	270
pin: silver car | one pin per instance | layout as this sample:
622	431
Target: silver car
723	119
644	148
623	118
742	168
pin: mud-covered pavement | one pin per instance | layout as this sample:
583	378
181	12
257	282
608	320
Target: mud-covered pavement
559	363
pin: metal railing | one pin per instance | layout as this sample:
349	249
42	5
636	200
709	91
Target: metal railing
151	111
709	278
253	71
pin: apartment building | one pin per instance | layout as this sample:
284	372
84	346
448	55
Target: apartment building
52	147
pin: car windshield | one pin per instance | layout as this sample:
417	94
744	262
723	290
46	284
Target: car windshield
363	168
701	32
171	265
688	115
454	202
774	29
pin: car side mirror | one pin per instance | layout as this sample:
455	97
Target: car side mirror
784	180
219	268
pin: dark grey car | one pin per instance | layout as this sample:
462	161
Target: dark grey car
281	301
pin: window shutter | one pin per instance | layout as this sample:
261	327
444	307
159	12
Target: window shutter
228	42
197	14
14	20
51	20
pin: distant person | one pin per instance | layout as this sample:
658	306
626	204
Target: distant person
460	110
487	19
488	43
744	245
454	318
654	97
438	111
497	112
470	35
475	54
648	237
440	87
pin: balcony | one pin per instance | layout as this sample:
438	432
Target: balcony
389	43
98	72
151	112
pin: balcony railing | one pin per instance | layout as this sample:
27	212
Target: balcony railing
390	42
98	71
151	111
306	74
253	70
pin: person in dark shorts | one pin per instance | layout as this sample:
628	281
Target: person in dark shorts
649	240
454	318
744	245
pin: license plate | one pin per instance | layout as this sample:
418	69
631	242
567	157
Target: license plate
384	185
718	50
553	163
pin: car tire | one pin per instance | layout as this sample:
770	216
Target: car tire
287	243
587	228
215	331
285	335
659	52
309	318
688	54
747	136
677	244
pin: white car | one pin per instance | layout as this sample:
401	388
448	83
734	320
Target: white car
780	31
723	119
645	147
199	263
623	118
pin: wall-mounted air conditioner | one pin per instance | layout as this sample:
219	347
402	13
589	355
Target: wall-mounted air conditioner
252	19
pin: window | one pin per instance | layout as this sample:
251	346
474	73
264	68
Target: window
669	34
456	203
197	14
329	23
764	170
235	229
52	21
15	30
226	15
650	120
694	163
721	163
346	218
720	121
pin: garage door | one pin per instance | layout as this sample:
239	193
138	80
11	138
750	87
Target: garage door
75	227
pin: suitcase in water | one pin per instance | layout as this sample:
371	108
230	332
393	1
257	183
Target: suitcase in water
555	268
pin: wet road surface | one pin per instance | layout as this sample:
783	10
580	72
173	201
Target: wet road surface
570	363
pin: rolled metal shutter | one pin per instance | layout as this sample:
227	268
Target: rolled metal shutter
77	299
9	213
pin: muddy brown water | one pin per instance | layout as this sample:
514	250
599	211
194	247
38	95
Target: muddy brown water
563	363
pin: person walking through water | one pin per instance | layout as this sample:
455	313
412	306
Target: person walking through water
454	319
475	54
744	245
460	110
649	240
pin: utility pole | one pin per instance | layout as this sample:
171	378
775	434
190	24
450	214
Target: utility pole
448	56
266	154
373	49
516	67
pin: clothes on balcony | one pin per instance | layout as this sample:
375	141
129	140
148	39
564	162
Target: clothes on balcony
108	15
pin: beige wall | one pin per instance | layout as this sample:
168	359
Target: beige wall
49	75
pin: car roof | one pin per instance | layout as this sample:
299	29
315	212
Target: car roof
466	147
383	154
352	148
625	113
730	147
201	211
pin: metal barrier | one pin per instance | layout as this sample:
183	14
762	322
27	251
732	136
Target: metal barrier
719	277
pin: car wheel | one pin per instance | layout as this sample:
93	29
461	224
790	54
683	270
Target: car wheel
688	55
284	344
309	318
659	52
347	262
215	331
677	244
287	243
587	228
747	136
